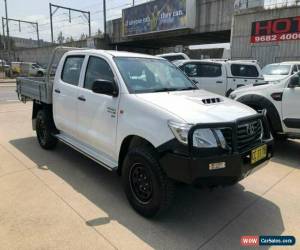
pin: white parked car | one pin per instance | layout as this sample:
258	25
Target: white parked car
27	69
141	116
222	76
174	56
281	99
279	71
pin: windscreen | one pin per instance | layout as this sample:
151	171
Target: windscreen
283	70
144	75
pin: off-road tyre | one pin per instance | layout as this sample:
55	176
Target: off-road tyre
45	130
149	191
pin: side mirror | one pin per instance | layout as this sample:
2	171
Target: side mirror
105	87
294	82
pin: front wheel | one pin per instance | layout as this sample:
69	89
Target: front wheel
148	189
40	74
44	131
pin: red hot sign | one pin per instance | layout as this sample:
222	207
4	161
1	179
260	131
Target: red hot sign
276	30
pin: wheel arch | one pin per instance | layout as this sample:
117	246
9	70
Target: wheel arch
256	101
129	142
40	106
40	72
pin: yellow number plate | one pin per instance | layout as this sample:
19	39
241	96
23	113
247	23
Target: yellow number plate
259	154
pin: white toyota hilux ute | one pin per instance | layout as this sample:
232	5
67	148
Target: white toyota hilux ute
222	76
142	117
281	100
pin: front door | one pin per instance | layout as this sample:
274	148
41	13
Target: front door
97	113
290	107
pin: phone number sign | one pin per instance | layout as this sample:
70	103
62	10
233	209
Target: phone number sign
276	30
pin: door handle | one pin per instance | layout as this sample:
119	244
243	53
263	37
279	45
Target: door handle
81	98
57	91
219	82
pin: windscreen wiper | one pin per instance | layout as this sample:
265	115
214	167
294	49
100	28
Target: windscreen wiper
189	88
166	89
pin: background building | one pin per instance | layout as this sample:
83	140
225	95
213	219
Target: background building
267	34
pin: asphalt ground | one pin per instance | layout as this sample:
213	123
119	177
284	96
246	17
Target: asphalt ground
8	91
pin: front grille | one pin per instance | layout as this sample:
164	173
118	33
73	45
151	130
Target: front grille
248	134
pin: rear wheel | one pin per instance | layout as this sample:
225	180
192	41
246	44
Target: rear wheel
40	74
44	130
148	189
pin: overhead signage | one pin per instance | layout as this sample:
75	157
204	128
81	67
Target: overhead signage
155	16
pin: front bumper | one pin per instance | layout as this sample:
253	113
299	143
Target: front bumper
189	165
195	170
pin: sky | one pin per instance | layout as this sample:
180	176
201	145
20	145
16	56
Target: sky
38	11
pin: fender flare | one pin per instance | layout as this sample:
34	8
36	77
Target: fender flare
264	103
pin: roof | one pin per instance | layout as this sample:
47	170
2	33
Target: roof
290	62
222	61
210	46
173	54
114	53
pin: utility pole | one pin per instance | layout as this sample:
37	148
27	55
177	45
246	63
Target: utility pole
132	2
7	29
38	34
104	16
35	24
86	14
3	29
89	20
51	25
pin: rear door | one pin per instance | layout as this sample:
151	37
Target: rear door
290	107
208	76
65	95
97	113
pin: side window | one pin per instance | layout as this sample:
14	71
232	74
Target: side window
243	70
298	67
190	70
97	69
209	70
71	70
295	69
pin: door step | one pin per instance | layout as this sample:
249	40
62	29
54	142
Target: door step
73	143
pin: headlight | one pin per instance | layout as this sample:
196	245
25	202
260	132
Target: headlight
202	138
180	131
207	138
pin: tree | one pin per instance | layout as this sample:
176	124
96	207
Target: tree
1	42
69	39
83	36
60	38
99	33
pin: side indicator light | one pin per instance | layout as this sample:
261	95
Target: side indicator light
277	96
